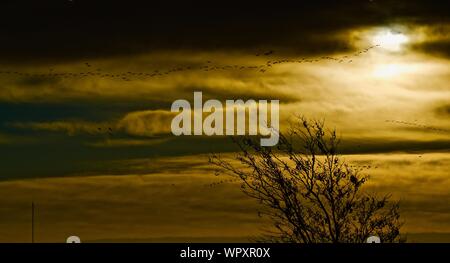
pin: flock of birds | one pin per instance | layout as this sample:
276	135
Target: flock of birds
418	125
224	181
208	66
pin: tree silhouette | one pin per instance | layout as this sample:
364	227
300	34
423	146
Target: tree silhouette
308	191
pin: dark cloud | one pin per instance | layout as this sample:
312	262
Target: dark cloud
258	92
53	31
439	48
35	81
72	155
98	110
56	154
374	145
443	110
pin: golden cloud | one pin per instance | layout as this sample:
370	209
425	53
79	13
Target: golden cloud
146	123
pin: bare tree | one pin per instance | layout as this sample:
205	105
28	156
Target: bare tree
308	191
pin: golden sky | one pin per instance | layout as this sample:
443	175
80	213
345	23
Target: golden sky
85	127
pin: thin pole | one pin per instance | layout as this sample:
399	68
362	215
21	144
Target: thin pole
32	222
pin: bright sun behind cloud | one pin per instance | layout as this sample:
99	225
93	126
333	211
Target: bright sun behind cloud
389	40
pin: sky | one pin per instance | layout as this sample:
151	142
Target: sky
86	89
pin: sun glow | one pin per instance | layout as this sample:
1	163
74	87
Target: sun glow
395	70
389	40
387	71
